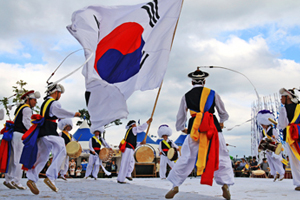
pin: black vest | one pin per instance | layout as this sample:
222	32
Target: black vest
192	99
164	147
49	127
18	124
131	139
66	138
96	146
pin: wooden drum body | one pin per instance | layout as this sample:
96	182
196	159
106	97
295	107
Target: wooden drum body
73	149
105	154
144	154
269	145
172	154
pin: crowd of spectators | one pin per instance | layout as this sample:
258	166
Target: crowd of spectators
243	167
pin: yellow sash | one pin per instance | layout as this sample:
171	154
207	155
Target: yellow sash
167	144
46	106
25	105
289	140
67	134
264	132
202	137
99	142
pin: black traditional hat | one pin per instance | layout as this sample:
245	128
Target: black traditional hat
198	75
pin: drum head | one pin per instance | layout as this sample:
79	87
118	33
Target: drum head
258	172
72	147
172	154
103	153
278	149
144	154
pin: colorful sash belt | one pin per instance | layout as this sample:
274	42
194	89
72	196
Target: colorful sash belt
5	147
30	149
205	131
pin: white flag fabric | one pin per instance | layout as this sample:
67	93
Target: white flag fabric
131	46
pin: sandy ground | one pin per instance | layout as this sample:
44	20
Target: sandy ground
154	188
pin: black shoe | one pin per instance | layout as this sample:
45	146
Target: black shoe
121	182
129	178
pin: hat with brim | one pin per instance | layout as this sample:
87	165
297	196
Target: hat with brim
198	75
31	95
290	93
65	122
99	128
263	117
164	130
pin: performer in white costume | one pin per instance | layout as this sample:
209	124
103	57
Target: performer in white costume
127	162
271	133
49	140
189	150
65	125
95	144
289	116
164	131
21	125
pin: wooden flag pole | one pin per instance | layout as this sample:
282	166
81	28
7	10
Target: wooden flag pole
144	141
158	92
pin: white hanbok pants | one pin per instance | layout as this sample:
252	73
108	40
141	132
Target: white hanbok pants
47	144
127	165
64	166
93	166
164	160
275	164
295	165
186	163
14	172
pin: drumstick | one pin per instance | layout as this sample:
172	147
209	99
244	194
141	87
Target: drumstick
230	145
79	137
273	121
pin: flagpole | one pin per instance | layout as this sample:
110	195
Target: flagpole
144	141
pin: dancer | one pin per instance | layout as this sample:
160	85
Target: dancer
202	101
65	125
95	162
288	121
269	133
164	131
48	140
127	162
21	125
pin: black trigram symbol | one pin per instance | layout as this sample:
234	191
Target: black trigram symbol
144	57
152	10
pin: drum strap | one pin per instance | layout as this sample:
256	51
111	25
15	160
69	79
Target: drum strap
264	132
67	134
97	140
25	105
127	133
167	144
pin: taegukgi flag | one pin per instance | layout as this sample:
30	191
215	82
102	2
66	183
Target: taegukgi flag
131	45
